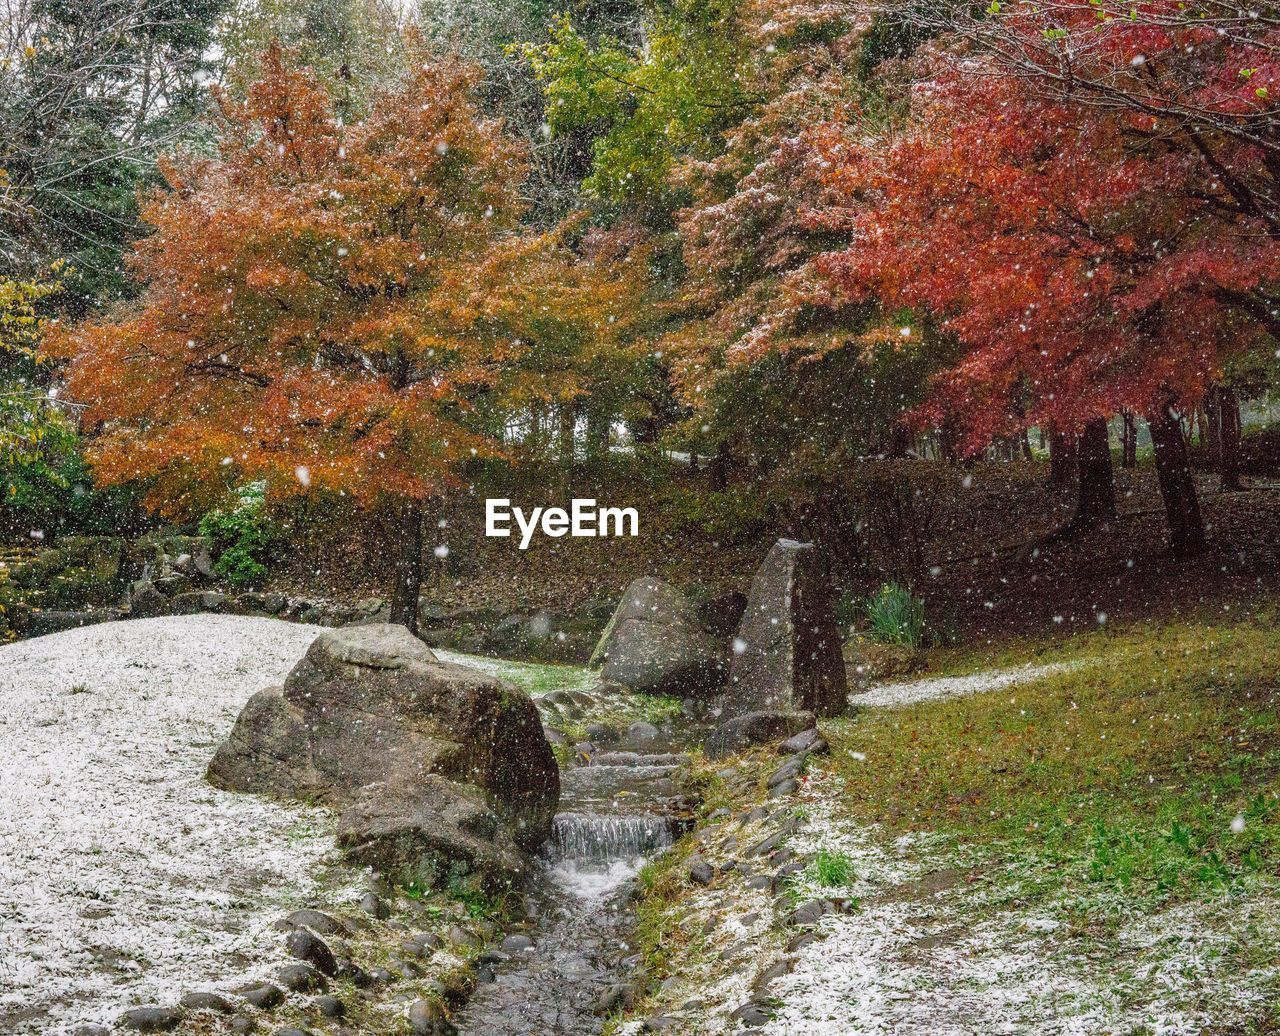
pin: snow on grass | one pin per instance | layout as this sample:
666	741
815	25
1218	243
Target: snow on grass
911	692
930	953
125	879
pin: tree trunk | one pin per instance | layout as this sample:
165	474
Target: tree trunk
718	469
1096	492
1224	431
568	424
597	437
1062	458
1186	527
1129	440
408	576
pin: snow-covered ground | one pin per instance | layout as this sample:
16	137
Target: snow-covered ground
124	878
910	692
923	956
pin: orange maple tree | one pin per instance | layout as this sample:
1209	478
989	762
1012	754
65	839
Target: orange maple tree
336	306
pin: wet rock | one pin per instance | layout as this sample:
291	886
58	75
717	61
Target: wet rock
301	978
517	943
433	765
722	614
701	872
655	644
317	920
789	770
751	1014
618	996
263	996
427	1018
754	728
329	1006
152	1019
810	912
205	1002
787	654
801	941
460	938
601	733
801	742
146	602
304	944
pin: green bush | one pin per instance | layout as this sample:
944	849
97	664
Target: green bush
242	537
896	616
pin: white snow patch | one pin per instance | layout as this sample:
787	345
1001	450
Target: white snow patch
911	692
125	879
908	963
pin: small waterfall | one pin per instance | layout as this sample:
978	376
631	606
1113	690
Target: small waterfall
589	838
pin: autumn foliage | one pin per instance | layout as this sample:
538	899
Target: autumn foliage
336	306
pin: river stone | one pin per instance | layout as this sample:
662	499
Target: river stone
152	1019
205	1002
263	996
146	602
301	978
787	655
304	944
805	741
654	644
317	920
329	1006
754	728
435	767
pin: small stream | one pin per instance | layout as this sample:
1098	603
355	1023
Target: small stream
615	813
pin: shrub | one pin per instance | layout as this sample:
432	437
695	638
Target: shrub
242	537
896	616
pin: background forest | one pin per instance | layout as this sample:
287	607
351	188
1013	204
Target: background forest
982	300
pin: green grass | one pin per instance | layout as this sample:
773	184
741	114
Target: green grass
830	869
896	617
1124	775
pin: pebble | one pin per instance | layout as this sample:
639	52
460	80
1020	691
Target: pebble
701	872
152	1019
264	996
751	1014
458	936
425	1017
317	920
329	1006
301	978
304	944
801	742
374	907
205	1002
641	732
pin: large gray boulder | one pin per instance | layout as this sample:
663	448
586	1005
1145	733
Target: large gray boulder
655	644
435	767
786	656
